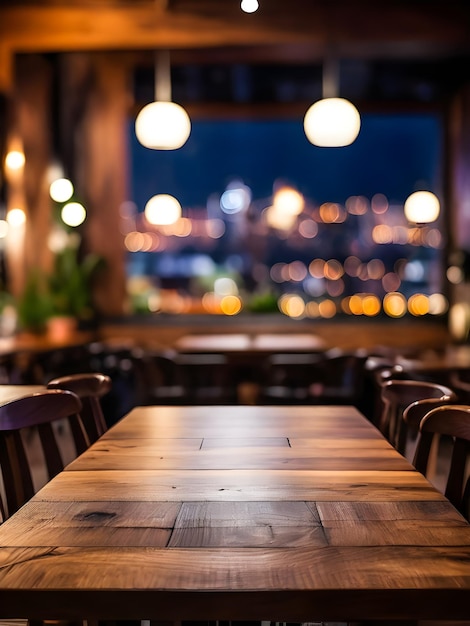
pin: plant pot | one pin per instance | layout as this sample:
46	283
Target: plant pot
61	328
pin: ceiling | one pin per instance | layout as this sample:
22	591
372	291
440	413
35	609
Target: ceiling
392	50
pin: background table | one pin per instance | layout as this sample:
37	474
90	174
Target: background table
237	512
245	343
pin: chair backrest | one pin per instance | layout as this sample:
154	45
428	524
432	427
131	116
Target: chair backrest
89	387
452	420
396	395
20	421
459	380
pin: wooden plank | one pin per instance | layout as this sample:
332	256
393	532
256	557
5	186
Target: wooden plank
255	576
106	457
247	524
401	567
249	537
88	524
357	512
237	485
231	514
410	533
342	441
244	442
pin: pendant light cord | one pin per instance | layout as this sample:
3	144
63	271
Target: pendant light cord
162	76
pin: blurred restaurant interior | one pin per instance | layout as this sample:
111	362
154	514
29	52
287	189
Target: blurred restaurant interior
234	312
268	232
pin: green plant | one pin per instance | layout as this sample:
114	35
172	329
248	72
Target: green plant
33	306
70	283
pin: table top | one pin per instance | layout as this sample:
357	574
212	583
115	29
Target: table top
13	392
245	342
237	512
452	358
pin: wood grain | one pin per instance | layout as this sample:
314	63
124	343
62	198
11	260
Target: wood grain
226	457
238	485
237	513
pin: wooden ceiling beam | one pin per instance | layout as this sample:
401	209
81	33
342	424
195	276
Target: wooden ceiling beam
363	28
32	28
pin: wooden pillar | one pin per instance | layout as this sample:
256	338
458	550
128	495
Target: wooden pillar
95	104
459	169
30	129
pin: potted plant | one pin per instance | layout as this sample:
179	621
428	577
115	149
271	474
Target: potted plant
70	289
33	306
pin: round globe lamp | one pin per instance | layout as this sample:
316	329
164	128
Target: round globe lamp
162	210
422	207
163	126
332	123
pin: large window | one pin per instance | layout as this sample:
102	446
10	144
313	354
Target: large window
270	222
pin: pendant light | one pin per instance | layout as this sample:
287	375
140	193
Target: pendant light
163	124
422	207
332	121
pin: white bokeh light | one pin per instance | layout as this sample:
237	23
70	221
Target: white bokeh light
61	190
73	214
16	217
15	160
162	210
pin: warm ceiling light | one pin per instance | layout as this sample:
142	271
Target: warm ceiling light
163	124
249	6
162	210
422	207
332	122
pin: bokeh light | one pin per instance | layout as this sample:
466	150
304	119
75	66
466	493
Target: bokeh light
73	214
14	160
230	305
162	210
61	190
394	304
16	217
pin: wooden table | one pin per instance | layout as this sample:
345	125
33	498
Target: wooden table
13	392
233	343
237	512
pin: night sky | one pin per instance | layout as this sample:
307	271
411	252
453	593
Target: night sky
393	154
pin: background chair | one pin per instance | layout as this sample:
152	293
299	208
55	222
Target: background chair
20	420
90	388
396	396
452	421
331	377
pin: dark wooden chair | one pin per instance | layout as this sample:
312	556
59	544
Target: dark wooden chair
206	379
20	420
157	377
90	388
396	396
450	421
331	377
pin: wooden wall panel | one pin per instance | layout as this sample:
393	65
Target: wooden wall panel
95	108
